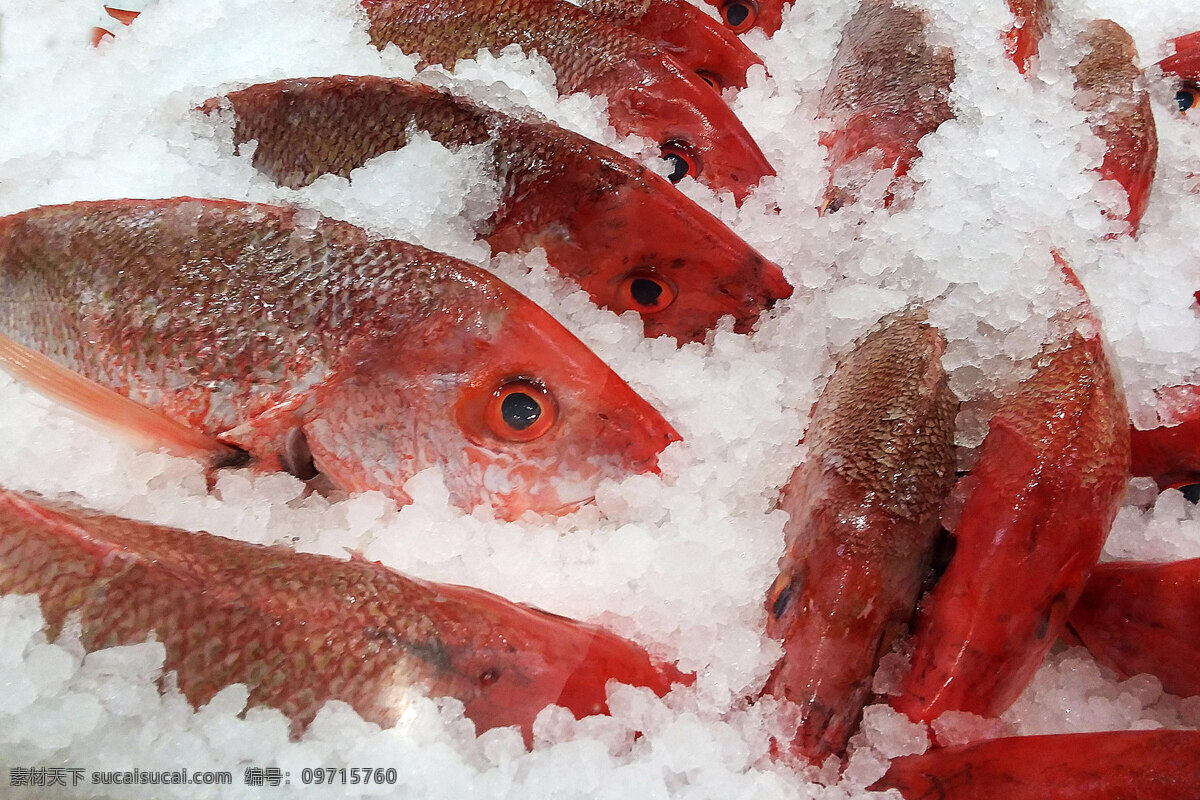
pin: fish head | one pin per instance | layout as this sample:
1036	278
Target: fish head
640	245
516	660
698	134
517	412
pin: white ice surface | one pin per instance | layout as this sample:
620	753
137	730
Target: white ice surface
680	562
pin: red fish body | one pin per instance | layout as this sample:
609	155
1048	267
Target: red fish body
1185	61
863	515
887	89
1118	765
1170	453
1032	23
307	344
1029	522
694	39
625	234
648	92
300	630
1140	617
1119	113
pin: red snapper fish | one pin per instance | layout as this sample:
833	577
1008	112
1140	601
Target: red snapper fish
299	630
624	233
1170	453
863	517
1117	765
888	88
1030	25
1140	617
1118	111
252	332
1029	522
692	38
649	93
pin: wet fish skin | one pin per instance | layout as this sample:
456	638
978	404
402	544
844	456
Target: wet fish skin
648	92
1032	23
259	324
1029	522
1148	765
1107	89
603	219
300	630
1140	617
887	89
863	518
694	39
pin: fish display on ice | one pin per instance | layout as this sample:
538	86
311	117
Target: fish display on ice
1040	436
299	630
306	344
649	93
863	518
624	233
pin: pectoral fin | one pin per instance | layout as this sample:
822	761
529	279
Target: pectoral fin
144	426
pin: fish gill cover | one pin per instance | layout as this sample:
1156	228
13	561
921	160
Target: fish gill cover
679	562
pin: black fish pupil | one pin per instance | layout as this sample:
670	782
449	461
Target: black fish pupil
736	14
783	600
520	410
679	167
645	292
1185	99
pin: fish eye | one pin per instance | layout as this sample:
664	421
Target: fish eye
739	15
709	78
647	293
1187	96
682	160
520	410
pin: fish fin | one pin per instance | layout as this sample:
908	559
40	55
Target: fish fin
145	426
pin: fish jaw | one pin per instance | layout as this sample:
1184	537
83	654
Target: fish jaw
453	376
1071	766
641	232
1119	113
863	516
692	38
551	660
1029	522
655	97
878	97
300	630
1138	617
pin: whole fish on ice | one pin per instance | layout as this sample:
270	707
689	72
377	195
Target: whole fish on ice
887	89
299	630
648	92
237	330
625	234
863	518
